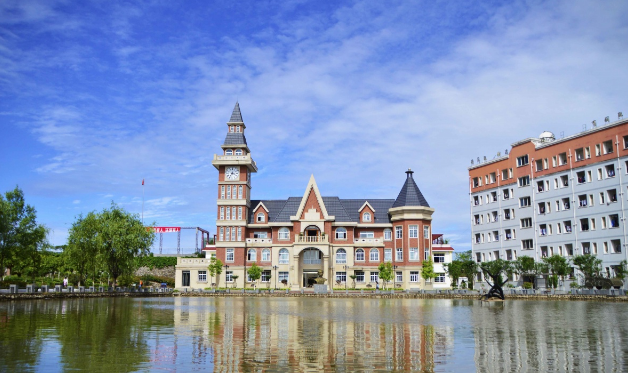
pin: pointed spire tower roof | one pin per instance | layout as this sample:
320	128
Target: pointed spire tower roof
410	194
236	115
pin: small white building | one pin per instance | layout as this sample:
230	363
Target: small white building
193	273
442	253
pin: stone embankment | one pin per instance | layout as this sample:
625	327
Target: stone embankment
168	272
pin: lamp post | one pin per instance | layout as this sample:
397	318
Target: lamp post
275	268
345	268
226	270
394	277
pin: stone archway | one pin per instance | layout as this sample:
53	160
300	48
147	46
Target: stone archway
310	263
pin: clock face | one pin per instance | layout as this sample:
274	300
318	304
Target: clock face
232	173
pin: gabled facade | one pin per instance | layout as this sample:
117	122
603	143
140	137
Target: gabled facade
293	239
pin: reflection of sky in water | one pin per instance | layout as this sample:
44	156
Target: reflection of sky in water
310	334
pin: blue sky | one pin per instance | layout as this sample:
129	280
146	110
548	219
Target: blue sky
96	96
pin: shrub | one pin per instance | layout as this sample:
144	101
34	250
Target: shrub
156	261
527	285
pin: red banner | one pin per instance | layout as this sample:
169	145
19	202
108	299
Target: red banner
165	229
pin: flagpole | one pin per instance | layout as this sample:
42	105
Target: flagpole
142	201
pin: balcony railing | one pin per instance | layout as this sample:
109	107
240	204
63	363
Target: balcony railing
308	239
259	240
369	241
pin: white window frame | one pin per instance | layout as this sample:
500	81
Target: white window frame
266	255
413	231
260	218
341	233
414	276
283	234
399	254
398	231
374	276
229	255
341	256
359	255
387	234
202	276
366	217
414	253
284	256
251	255
374	255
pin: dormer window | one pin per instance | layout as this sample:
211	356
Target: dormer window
238	152
237	129
366	216
231	129
261	217
228	152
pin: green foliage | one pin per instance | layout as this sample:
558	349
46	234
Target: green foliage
215	268
254	272
621	271
110	240
498	270
21	238
525	266
588	264
427	272
153	262
385	272
528	285
556	266
462	266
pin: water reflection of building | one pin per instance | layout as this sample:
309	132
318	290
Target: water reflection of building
549	336
249	334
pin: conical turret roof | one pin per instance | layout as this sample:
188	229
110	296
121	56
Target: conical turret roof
410	194
236	116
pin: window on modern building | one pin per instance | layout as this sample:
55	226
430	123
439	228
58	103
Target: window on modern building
266	276
592	224
526	222
603	222
567	225
398	232
341	256
477	238
557	206
541	208
491	177
586	248
359	276
414	276
387	234
476	200
562	159
566	203
582	200
504	174
590	199
543	251
399	256
493	196
584	224
506	214
496	235
260	235
616	246
610	170
476	182
439	258
524	202
506	194
374	255
359	255
238	152
524	181
440	278
366	217
509	234
388	255
229	276
539	165
222	213
399	276
367	235
564	181
522	161
607	146
605	247
341	276
542	229
527	244
579	154
341	233
266	255
261	217
284	256
581	177
229	255
587	152
613	220
413	253
612	195
540	186
374	276
554	161
569	249
228	152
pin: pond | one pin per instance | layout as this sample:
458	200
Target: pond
311	334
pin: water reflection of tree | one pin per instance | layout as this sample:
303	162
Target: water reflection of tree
102	335
20	342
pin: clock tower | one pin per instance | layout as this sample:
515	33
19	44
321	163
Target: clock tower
234	165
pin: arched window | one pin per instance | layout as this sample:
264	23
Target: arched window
284	256
260	217
266	255
252	255
228	152
366	216
341	233
387	234
359	254
284	233
341	256
238	152
374	255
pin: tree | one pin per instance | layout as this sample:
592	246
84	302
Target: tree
499	271
385	272
556	266
428	270
215	268
234	278
621	270
254	272
462	266
591	268
83	248
353	277
21	238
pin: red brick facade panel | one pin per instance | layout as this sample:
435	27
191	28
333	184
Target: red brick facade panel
311	203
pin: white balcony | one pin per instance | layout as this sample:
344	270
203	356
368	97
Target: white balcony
369	241
312	239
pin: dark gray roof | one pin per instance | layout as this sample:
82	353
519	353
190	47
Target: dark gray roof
344	210
236	116
234	138
410	194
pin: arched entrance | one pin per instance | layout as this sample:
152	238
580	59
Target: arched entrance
311	233
310	261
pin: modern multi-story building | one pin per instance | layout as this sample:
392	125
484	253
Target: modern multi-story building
552	196
294	239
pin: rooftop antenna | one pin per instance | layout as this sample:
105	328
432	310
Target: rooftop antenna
471	160
506	151
499	154
478	160
620	115
484	158
594	123
607	120
584	127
